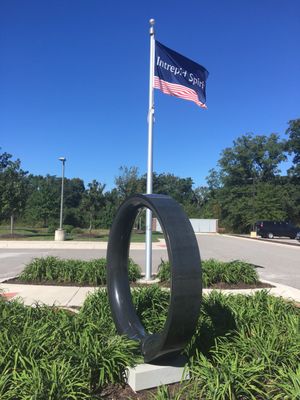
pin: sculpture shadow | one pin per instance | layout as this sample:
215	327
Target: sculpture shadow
216	320
258	266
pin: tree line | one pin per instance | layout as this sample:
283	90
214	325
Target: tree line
246	185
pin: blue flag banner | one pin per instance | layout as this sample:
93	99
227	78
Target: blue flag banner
179	76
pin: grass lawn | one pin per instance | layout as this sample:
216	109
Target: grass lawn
97	235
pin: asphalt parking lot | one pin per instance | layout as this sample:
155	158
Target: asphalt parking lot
276	239
277	260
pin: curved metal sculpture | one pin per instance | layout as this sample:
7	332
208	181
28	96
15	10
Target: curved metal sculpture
186	282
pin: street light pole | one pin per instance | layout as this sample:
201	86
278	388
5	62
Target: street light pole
60	233
63	160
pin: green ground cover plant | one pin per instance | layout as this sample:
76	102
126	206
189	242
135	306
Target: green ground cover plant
93	272
47	353
245	347
214	271
53	269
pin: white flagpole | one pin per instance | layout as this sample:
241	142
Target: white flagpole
150	154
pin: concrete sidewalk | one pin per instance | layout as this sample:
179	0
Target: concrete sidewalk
74	296
71	244
63	296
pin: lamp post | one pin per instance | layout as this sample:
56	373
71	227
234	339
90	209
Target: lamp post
253	232
60	233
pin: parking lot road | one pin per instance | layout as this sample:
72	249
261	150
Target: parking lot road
275	262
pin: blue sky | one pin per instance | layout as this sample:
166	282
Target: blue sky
74	79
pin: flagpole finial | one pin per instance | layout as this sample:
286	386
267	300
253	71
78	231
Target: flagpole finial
151	22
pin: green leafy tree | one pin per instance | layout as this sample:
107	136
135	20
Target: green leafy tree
128	182
248	186
73	194
251	158
293	146
178	188
43	204
241	207
13	184
93	201
108	212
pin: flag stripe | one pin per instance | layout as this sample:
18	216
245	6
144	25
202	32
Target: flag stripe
177	90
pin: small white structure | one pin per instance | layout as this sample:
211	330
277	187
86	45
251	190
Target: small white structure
60	235
199	225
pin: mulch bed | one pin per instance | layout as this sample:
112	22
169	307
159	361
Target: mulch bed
220	285
118	392
240	285
13	236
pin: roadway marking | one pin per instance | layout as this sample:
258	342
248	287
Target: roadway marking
8	295
291	245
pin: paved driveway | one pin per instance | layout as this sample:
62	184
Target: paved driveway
275	262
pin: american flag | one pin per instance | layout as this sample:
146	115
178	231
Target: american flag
179	76
174	89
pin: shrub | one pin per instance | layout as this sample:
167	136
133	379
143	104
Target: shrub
52	354
41	269
92	272
134	271
77	230
228	272
51	229
68	228
241	344
214	271
163	272
244	347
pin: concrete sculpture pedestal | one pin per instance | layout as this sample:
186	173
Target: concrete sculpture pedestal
146	376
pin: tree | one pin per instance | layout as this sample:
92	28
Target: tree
13	188
178	188
240	207
293	146
73	194
43	204
252	158
248	186
4	160
108	211
128	182
93	201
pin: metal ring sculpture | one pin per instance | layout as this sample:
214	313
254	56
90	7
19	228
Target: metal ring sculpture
186	281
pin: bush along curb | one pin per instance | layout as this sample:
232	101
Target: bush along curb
69	271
